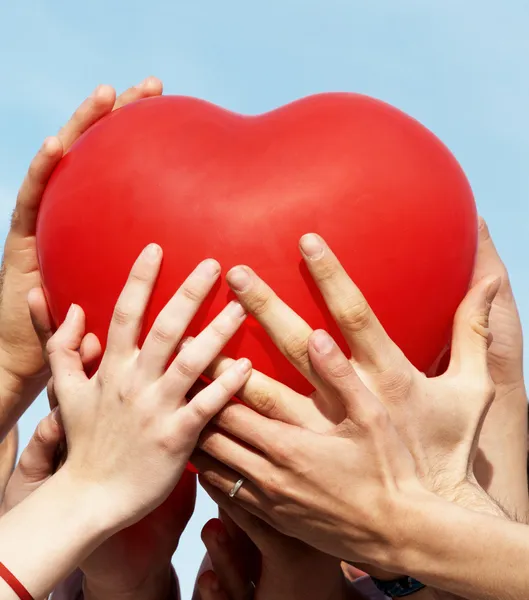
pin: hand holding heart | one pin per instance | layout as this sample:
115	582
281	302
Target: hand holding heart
383	434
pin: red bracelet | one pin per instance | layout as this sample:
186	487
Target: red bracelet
14	583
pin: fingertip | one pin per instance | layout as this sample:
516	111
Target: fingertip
104	94
52	147
152	85
321	342
493	284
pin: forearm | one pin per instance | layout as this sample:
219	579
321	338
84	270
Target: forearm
463	552
45	537
501	467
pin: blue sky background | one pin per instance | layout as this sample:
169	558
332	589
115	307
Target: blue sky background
459	67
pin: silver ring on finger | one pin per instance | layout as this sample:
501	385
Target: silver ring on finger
238	485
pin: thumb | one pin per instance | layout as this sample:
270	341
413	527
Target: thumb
488	261
471	336
37	460
63	349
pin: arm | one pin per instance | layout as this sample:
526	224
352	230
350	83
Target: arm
464	552
23	373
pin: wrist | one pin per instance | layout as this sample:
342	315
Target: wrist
90	502
157	585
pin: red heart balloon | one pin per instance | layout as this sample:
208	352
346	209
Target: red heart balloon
203	182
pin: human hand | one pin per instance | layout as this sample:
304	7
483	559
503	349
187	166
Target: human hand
252	560
120	566
502	468
129	430
439	419
436	417
21	361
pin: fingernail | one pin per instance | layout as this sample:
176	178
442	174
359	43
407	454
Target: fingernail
312	246
492	289
56	415
96	93
243	365
71	312
208	268
152	252
239	279
235	309
322	341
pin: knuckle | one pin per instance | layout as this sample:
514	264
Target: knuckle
263	401
121	315
479	325
395	383
273	487
221	328
296	349
191	293
260	302
340	370
373	418
185	368
164	333
282	451
42	433
327	270
355	315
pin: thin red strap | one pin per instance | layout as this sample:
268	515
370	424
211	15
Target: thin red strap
14	583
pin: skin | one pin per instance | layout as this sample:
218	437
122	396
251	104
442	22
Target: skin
23	372
501	468
243	549
438	421
130	419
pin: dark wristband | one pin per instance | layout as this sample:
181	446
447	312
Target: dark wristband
398	588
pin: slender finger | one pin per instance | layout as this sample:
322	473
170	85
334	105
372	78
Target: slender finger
195	356
206	404
151	86
231	452
288	330
24	220
471	336
246	425
37	459
127	318
62	349
171	323
224	478
274	399
369	343
218	485
210	588
95	107
338	372
225	559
